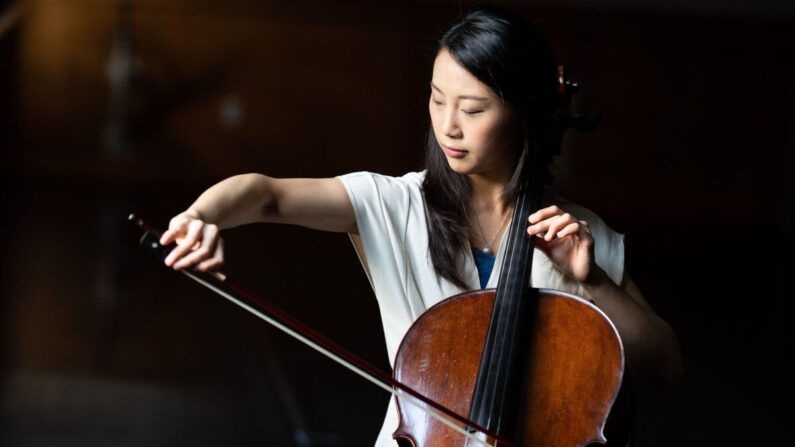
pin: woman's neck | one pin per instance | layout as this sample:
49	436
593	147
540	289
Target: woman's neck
487	193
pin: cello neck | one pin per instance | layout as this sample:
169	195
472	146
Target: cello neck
495	400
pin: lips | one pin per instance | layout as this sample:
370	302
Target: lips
454	152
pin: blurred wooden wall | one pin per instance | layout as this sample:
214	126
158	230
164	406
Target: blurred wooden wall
111	107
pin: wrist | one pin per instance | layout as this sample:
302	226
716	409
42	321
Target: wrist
598	286
195	214
596	277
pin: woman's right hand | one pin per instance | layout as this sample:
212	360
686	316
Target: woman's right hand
199	244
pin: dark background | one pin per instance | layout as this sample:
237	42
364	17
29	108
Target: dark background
111	107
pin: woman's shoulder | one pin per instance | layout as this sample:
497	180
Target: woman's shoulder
367	179
415	177
371	188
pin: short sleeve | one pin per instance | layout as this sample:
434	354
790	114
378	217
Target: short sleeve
609	250
383	208
392	244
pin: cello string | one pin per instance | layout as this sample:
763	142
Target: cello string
509	327
508	330
439	416
531	197
497	384
484	397
525	254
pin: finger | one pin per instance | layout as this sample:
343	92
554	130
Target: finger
556	224
572	228
541	227
215	262
186	244
199	254
203	251
175	228
168	237
538	229
544	213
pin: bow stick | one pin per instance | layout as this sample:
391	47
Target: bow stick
222	285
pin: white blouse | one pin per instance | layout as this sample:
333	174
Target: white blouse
393	246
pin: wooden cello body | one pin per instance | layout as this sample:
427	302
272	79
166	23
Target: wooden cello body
575	366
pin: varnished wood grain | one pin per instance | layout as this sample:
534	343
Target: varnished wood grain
576	369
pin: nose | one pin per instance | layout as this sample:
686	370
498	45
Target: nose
450	126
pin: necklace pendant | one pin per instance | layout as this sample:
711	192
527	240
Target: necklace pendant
485	251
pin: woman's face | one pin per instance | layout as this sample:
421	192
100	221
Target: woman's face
474	127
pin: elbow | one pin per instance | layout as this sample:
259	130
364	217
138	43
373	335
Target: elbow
670	378
674	371
670	370
262	197
658	361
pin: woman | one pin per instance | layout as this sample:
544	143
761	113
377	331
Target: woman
492	100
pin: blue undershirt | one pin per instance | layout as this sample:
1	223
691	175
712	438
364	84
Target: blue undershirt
485	264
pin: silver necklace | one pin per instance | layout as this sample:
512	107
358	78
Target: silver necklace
487	248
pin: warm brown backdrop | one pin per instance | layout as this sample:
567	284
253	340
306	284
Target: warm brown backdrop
100	346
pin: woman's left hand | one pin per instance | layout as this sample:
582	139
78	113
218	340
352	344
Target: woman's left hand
565	240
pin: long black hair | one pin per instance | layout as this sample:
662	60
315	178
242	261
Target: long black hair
508	54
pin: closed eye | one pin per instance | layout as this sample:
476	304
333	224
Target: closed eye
471	112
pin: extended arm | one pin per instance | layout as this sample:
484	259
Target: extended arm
321	204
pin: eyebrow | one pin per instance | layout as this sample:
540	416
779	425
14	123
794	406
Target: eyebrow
479	98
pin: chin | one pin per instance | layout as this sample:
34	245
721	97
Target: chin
459	167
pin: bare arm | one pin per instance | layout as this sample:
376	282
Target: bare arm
651	345
321	204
